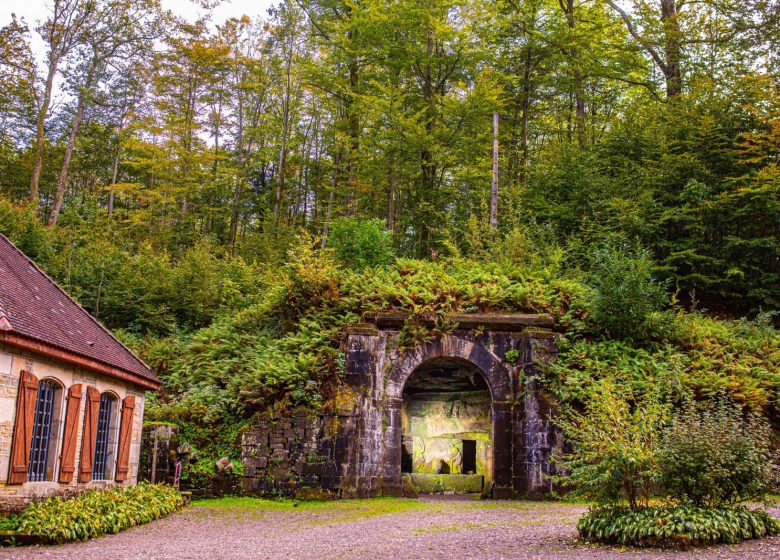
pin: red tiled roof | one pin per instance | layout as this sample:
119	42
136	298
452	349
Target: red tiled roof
34	306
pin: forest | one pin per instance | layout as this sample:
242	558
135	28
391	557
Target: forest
228	195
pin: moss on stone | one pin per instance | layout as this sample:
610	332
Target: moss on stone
426	483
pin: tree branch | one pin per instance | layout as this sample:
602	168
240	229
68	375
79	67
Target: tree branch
645	45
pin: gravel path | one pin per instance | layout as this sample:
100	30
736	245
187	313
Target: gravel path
374	529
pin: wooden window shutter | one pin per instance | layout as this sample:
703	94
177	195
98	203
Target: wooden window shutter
89	434
125	439
70	435
23	428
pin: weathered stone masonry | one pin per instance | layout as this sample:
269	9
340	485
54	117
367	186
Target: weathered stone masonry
357	452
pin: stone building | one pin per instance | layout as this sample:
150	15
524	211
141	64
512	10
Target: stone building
462	412
71	394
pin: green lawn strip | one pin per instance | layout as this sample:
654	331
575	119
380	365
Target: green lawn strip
321	512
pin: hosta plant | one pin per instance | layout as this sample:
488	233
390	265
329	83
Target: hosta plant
675	525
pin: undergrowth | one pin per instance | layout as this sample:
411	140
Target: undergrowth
96	513
285	350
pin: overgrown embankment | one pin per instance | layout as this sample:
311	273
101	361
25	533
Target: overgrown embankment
285	351
232	337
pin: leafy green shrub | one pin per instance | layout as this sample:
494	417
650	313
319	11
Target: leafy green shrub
613	447
675	525
739	358
582	365
359	244
706	358
625	292
205	285
19	223
98	512
712	454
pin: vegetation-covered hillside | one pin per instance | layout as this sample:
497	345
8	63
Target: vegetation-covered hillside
270	338
228	195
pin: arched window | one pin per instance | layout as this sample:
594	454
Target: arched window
105	440
46	421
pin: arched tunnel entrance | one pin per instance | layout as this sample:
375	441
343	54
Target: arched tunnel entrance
465	401
446	427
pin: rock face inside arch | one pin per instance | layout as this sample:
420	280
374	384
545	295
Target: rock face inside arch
358	452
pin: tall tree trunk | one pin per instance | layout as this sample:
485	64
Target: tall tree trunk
239	178
304	150
114	175
576	74
331	197
353	126
427	163
127	108
671	25
280	178
670	64
285	131
494	182
62	181
525	110
234	208
40	131
391	194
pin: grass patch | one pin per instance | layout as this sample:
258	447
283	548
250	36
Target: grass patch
501	504
355	510
334	511
244	502
436	528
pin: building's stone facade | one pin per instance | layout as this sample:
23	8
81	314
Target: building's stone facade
12	362
357	451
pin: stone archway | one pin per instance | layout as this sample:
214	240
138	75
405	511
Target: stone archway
354	449
498	376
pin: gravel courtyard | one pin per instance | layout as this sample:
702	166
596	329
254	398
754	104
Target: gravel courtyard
370	529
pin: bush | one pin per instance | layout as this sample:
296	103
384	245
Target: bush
359	244
707	358
675	525
19	223
97	512
613	447
625	292
712	454
205	285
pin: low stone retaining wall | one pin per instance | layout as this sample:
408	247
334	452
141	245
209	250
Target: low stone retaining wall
426	483
300	454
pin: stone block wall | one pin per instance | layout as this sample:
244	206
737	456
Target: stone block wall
299	454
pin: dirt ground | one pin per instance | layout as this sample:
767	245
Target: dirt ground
393	529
